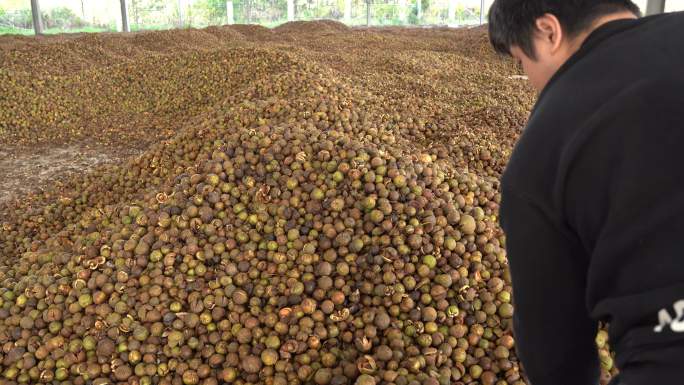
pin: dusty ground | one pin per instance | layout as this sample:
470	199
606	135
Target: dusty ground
30	170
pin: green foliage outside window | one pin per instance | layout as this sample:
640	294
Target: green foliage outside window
15	17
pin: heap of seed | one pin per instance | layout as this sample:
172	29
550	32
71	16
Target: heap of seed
301	212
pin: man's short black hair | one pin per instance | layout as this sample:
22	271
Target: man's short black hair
512	22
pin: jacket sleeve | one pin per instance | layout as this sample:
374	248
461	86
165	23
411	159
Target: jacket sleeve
554	333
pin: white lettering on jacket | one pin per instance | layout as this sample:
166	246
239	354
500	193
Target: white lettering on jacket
676	323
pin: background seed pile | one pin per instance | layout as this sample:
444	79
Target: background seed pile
310	204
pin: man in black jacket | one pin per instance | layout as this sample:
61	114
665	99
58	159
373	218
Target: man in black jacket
593	195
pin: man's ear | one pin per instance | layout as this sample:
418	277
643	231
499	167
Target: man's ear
550	31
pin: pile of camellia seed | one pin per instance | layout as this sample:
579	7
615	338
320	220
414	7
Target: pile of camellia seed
305	208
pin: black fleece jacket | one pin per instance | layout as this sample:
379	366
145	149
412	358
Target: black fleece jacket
593	209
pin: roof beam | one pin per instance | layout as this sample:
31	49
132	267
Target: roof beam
290	10
124	17
655	7
37	17
482	11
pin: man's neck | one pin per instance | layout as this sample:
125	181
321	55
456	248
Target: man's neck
579	40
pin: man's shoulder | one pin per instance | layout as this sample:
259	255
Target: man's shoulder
620	76
557	134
